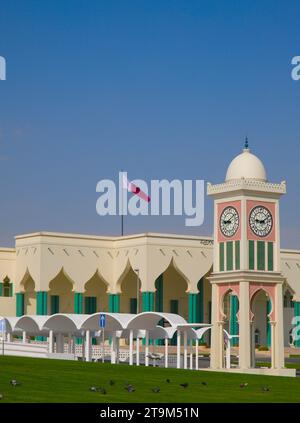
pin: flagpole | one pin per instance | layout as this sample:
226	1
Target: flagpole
122	216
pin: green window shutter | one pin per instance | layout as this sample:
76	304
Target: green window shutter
11	289
114	303
90	305
221	256
78	303
87	305
133	305
41	303
159	294
251	255
192	318
174	306
94	305
54	304
229	255
1	289
297	314
200	302
233	323
237	255
260	255
270	256
20	308
147	301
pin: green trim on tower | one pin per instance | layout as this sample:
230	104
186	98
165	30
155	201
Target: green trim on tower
20	309
269	308
1	289
237	255
229	255
260	255
251	255
114	303
159	293
41	303
148	301
78	303
297	314
233	324
270	256
221	256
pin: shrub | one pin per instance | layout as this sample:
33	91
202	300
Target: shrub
263	348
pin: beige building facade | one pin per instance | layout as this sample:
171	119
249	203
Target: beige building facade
47	273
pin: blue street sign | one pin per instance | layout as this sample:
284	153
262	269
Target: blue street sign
2	325
102	320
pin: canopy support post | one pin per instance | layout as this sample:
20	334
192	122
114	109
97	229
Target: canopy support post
166	352
178	348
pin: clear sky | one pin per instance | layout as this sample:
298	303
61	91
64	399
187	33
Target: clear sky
162	89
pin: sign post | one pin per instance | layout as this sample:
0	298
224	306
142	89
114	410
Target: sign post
102	324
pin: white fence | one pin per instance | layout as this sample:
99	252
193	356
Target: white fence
24	350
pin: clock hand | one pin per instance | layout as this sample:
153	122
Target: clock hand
260	221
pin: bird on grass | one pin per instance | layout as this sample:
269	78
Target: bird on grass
168	381
204	383
184	385
111	382
265	389
1	396
93	389
130	388
156	389
14	382
102	391
243	385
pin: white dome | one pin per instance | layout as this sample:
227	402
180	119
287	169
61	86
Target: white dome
246	165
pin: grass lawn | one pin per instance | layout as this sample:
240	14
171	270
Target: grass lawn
44	380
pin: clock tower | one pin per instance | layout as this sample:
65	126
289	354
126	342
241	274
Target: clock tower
246	259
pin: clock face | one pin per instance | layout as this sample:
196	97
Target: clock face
260	221
229	221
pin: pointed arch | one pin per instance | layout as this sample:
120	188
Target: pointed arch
60	293
95	294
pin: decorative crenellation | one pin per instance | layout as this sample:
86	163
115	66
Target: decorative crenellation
247	184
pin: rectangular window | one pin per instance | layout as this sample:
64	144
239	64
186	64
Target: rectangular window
221	257
174	306
270	256
54	299
6	290
133	305
229	255
251	255
90	305
260	255
237	255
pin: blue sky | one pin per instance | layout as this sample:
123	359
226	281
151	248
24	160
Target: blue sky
162	89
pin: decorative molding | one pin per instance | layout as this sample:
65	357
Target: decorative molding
246	185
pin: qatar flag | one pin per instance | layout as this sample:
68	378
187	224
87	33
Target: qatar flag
130	187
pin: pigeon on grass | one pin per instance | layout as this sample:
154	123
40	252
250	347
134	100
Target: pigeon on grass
184	385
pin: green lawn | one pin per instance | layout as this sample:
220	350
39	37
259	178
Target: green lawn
45	380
